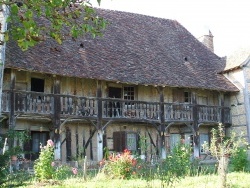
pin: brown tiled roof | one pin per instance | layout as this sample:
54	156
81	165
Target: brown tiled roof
135	49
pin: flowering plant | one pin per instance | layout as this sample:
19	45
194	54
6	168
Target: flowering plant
44	164
121	165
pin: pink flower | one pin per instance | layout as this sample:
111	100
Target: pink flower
53	163
102	162
75	171
50	143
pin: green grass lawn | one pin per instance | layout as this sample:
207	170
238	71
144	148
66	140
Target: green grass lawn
234	180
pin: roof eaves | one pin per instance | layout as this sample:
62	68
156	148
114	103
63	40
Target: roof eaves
245	62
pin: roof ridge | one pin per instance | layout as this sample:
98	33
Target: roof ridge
140	14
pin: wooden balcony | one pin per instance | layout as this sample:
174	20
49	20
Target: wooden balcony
34	103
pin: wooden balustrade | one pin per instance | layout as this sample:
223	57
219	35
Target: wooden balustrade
71	105
118	108
28	102
178	111
209	113
78	106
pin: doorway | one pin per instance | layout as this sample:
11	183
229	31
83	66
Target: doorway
114	107
37	139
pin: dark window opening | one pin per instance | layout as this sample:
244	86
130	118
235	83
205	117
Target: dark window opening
37	85
187	97
32	147
115	92
7	71
114	107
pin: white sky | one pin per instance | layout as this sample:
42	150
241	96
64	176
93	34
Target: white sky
228	20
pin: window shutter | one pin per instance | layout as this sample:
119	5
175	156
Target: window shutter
119	140
27	148
68	144
178	95
175	139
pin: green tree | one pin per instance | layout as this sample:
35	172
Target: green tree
32	21
222	147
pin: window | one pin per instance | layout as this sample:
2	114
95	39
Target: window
125	140
37	84
32	147
129	93
175	139
187	97
204	138
131	141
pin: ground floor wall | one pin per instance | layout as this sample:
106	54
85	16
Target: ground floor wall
80	139
142	139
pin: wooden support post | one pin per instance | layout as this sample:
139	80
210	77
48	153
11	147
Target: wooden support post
222	109
56	118
85	168
99	122
162	124
99	145
195	124
12	100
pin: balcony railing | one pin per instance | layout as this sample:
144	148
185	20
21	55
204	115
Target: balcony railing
178	112
77	106
28	102
117	108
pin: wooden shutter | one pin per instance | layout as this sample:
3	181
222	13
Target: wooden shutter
68	144
178	95
27	148
119	140
175	139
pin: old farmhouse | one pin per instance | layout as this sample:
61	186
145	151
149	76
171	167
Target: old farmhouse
145	85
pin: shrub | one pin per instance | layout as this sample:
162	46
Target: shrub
239	159
44	164
10	136
4	159
62	172
119	166
178	162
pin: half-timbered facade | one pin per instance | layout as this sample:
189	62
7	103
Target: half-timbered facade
145	85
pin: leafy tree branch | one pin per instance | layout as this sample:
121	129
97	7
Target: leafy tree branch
33	21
